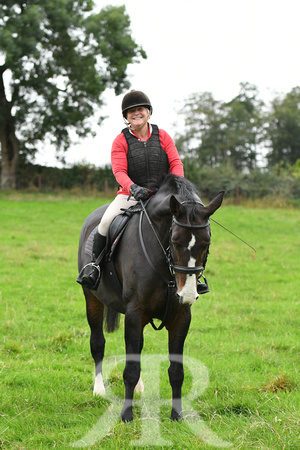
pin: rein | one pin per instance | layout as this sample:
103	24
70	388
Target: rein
172	267
170	283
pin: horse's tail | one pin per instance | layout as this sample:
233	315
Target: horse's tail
112	320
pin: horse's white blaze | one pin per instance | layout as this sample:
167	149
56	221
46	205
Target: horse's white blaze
139	388
99	388
189	292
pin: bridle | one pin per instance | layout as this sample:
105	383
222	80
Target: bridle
173	268
184	269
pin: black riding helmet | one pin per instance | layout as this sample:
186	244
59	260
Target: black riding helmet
133	99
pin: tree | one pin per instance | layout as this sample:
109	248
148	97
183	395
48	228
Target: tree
284	129
203	137
243	127
60	56
217	132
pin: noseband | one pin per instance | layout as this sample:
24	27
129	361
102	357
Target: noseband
191	227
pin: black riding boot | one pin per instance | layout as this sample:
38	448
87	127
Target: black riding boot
92	278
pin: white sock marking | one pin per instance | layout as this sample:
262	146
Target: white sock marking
99	388
139	388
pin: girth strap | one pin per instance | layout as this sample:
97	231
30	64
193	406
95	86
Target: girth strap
172	290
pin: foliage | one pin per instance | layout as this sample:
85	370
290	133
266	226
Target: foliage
284	129
61	57
216	132
259	183
82	176
243	127
245	332
203	131
280	184
242	132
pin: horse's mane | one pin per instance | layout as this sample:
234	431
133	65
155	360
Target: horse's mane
174	184
177	185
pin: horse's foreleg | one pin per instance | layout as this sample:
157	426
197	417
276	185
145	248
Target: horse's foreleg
132	371
95	315
178	330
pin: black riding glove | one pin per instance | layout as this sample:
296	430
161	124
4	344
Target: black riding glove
140	193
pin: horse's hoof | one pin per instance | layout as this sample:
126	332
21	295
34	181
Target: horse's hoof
127	415
175	416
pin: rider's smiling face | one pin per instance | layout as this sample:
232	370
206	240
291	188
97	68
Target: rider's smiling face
138	116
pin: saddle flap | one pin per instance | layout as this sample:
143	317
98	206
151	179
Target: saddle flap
118	226
115	231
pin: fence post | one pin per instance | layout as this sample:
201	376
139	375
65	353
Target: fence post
106	188
237	194
40	182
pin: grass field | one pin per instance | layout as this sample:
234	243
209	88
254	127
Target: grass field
244	335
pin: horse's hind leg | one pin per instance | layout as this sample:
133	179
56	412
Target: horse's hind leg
178	330
95	316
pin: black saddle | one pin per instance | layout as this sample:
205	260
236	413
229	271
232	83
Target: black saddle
115	232
118	226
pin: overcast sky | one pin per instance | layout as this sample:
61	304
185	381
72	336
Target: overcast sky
197	46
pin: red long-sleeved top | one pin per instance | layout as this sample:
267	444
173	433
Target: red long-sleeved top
119	159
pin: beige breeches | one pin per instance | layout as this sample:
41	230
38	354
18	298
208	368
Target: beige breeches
113	210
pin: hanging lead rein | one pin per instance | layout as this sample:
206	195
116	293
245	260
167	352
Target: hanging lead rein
234	234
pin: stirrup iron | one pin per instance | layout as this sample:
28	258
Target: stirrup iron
202	287
93	265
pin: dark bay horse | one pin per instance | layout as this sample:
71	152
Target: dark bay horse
162	252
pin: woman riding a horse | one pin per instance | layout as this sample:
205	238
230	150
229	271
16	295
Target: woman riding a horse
141	155
159	276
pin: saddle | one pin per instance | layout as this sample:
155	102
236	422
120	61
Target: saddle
118	226
115	233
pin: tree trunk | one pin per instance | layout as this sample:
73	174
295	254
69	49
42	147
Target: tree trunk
9	143
9	156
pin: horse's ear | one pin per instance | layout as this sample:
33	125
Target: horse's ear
174	205
215	203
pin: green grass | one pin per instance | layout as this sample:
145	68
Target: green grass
245	333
